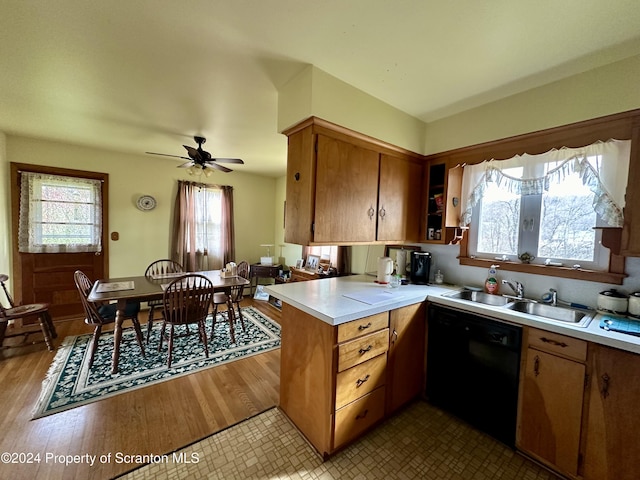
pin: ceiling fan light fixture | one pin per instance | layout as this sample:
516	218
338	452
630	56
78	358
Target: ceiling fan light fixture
201	161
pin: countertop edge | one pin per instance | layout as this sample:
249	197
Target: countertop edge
318	296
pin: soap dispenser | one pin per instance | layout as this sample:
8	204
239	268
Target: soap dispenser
491	284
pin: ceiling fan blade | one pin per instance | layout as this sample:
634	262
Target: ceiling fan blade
188	164
166	155
218	167
228	160
193	153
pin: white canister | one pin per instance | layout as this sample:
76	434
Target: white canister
613	301
634	304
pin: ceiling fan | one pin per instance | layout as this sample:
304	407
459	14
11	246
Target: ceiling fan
201	161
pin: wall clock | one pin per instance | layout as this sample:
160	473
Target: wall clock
146	203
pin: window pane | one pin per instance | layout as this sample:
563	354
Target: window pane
567	222
208	219
67	215
499	219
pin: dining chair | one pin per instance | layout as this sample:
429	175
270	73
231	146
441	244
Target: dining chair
186	301
16	314
99	315
158	269
237	293
231	298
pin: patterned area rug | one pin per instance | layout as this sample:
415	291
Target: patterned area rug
70	383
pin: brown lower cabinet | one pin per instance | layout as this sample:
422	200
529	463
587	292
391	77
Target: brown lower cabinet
336	382
579	405
551	399
612	430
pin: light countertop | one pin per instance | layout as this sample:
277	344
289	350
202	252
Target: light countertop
325	298
343	299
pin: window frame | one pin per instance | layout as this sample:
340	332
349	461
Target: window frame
531	207
621	126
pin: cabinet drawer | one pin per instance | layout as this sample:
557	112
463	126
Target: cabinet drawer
362	326
355	418
558	344
362	349
357	381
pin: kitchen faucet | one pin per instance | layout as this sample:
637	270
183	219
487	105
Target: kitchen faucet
554	296
517	287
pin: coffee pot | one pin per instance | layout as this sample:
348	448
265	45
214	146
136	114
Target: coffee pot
385	269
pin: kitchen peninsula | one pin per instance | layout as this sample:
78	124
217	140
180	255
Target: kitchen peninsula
352	353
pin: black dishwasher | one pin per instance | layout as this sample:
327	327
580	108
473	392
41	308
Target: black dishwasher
473	365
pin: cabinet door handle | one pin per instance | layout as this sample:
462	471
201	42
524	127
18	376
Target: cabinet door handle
360	381
362	415
394	336
364	327
553	342
362	351
536	365
605	385
371	212
382	213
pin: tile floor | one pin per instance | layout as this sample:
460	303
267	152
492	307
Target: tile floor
421	442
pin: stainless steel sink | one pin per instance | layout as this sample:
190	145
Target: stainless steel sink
579	318
480	297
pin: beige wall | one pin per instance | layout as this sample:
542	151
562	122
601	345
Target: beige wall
595	93
144	236
316	93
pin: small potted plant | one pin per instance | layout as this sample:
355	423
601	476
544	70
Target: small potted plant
526	257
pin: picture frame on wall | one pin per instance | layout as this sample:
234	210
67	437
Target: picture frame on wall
312	262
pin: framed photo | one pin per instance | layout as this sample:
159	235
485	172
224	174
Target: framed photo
312	262
299	263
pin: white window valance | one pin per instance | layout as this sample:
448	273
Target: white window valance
602	166
59	214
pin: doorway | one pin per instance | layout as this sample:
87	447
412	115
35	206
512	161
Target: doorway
48	277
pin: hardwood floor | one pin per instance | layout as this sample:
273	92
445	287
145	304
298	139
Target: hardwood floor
154	420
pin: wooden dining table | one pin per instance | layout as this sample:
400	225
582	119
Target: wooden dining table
144	289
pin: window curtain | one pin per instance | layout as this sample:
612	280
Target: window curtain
197	242
53	207
227	234
602	166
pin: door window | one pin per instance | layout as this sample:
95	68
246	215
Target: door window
59	214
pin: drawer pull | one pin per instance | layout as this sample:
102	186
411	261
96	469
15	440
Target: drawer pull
553	342
362	351
362	415
360	381
364	327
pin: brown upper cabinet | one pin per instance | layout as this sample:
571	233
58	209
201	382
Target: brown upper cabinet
443	186
345	188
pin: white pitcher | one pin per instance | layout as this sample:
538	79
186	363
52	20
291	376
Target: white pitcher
385	269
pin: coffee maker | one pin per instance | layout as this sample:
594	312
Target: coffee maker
420	265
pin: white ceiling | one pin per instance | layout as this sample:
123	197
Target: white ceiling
146	75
